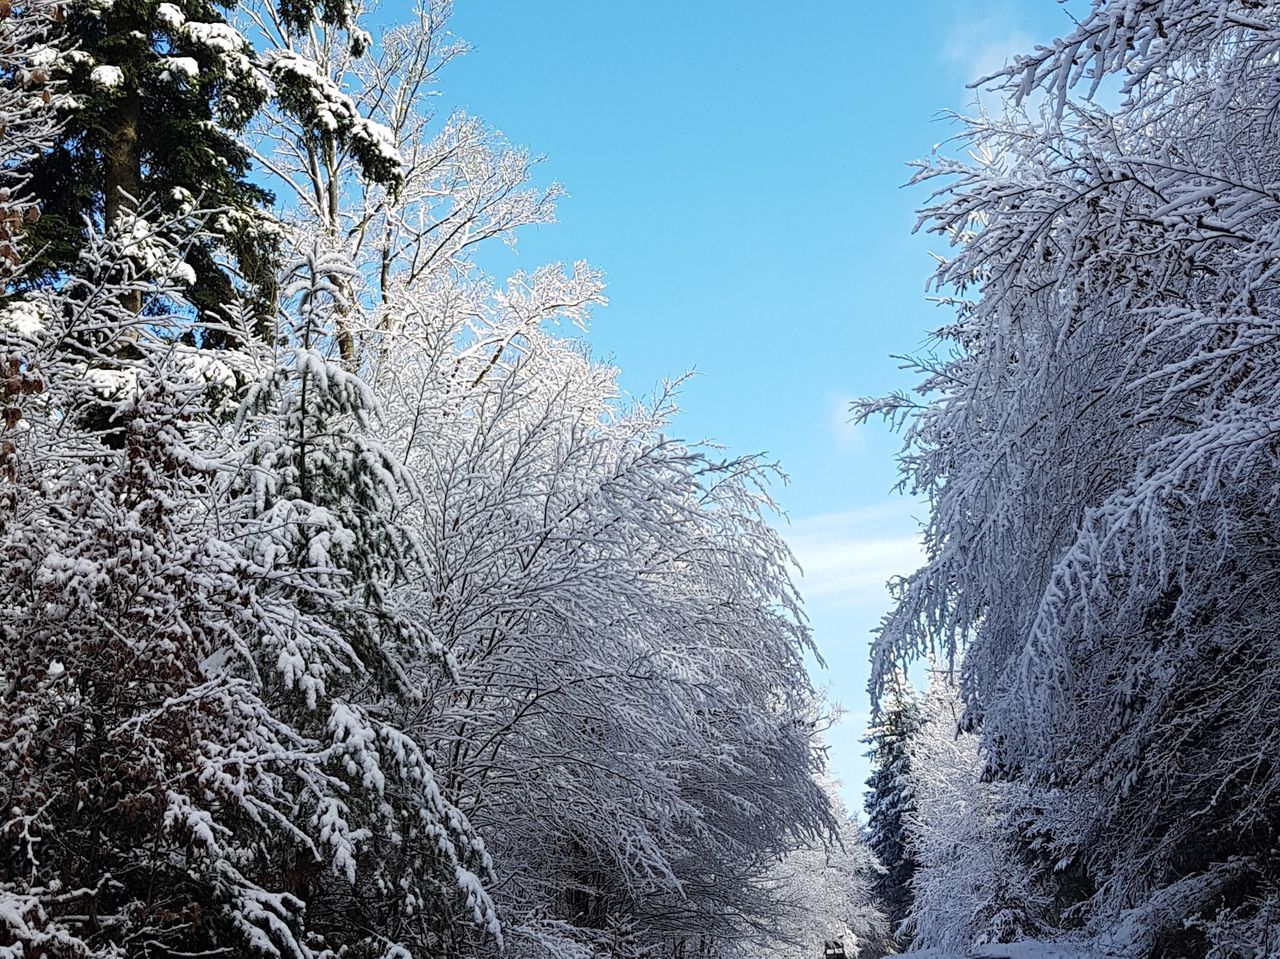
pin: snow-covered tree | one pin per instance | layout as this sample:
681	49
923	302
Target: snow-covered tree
625	722
826	890
591	623
630	731
196	754
889	800
971	885
324	500
1097	446
459	182
157	95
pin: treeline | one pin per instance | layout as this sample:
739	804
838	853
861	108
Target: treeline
348	610
1097	441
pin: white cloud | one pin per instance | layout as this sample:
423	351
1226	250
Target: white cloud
848	434
984	47
847	558
980	45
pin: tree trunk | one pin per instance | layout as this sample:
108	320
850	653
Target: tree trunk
346	340
123	170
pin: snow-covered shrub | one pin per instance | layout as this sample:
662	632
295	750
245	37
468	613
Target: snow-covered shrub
194	745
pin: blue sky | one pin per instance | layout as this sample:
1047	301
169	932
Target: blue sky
736	169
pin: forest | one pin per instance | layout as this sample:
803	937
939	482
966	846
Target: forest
352	610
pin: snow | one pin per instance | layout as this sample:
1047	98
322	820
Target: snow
331	108
170	15
112	384
24	317
107	76
184	67
1027	949
220	37
226	43
43	57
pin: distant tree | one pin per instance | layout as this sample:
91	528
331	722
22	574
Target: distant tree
889	800
826	889
972	884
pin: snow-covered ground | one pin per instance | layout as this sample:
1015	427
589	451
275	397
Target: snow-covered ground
1014	950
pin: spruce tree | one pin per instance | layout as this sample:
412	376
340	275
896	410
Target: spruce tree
158	93
889	796
321	500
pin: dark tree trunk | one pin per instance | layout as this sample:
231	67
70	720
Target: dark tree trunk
122	170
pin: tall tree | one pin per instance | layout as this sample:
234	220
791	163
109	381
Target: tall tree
1097	444
158	92
627	728
889	800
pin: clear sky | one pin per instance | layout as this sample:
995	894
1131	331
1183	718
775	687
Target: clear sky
736	169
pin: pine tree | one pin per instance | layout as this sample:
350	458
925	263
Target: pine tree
322	499
158	92
889	800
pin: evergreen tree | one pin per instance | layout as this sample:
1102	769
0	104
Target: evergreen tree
195	743
322	497
889	800
158	92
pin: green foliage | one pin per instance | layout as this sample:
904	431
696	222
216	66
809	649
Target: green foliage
164	88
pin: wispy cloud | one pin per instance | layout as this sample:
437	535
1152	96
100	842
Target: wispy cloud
981	45
848	434
847	558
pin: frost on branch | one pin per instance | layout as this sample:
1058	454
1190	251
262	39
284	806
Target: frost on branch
826	891
29	96
1097	441
163	773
